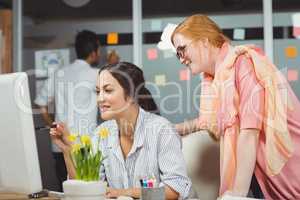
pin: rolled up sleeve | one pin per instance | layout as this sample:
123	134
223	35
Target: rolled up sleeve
171	162
251	109
46	92
42	97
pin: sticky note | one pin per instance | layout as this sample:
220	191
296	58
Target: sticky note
160	80
296	19
296	31
152	54
296	25
184	75
156	25
168	53
292	75
112	38
291	52
239	34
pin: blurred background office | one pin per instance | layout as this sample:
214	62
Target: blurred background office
37	35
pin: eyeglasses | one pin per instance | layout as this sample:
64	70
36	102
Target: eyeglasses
180	51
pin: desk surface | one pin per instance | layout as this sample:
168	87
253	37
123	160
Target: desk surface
14	196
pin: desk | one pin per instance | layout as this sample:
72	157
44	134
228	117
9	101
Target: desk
15	196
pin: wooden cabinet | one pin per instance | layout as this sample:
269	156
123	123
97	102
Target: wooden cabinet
6	41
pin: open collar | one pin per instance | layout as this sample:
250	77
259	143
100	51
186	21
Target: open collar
139	136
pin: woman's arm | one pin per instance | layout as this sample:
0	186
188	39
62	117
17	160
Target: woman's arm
131	192
190	126
137	192
170	193
59	135
187	127
69	165
251	114
246	159
194	125
45	115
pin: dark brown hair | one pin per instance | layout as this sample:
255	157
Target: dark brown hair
131	79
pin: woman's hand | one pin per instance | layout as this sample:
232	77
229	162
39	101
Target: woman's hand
115	193
187	127
59	135
243	49
134	193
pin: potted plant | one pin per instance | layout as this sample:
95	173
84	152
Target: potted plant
87	159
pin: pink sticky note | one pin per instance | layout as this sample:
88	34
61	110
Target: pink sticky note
296	31
292	75
184	75
152	54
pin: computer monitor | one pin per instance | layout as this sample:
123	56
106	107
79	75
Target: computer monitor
19	164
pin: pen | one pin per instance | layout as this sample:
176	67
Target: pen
141	182
38	195
145	183
150	183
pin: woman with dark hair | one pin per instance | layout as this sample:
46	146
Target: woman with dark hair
131	79
140	142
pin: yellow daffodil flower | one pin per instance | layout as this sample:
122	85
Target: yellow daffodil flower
103	133
76	148
85	140
72	137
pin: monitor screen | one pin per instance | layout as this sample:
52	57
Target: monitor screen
19	164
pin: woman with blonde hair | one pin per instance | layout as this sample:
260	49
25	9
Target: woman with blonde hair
248	105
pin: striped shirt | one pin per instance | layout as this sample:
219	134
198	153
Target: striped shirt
156	150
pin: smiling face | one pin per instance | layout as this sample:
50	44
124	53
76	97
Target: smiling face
198	40
194	54
110	96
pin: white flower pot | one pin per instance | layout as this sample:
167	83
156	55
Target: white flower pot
83	190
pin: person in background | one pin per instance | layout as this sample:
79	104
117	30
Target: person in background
139	143
248	105
73	94
113	57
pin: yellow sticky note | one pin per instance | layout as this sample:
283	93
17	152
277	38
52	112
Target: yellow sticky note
112	38
291	52
160	80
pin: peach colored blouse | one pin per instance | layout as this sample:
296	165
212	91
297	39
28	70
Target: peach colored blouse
285	184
